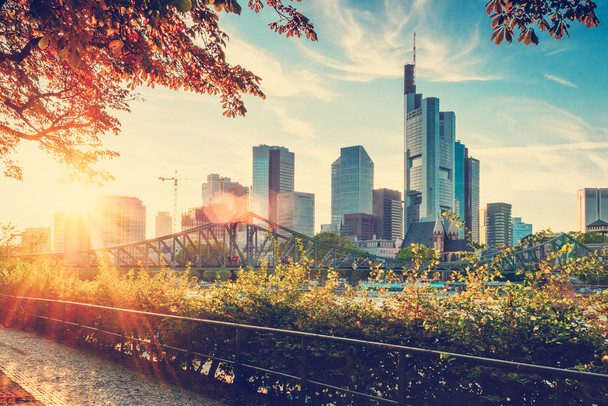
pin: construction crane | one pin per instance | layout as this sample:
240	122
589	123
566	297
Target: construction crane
175	180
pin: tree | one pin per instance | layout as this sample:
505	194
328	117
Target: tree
553	16
589	238
417	252
66	66
335	239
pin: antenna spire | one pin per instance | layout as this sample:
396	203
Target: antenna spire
414	47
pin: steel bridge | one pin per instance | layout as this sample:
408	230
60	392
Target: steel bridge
556	250
247	240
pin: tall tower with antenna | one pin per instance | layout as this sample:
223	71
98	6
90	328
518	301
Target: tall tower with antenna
409	84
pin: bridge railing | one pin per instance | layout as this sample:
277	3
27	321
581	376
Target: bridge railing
400	374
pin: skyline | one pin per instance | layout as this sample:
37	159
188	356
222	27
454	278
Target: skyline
533	116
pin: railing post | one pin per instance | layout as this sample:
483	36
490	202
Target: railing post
401	382
560	388
303	372
237	364
63	321
189	348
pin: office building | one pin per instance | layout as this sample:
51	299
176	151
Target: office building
358	226
520	230
471	195
381	248
498	225
352	183
273	173
71	232
163	224
221	191
296	211
118	220
466	190
592	206
36	240
388	214
428	155
330	228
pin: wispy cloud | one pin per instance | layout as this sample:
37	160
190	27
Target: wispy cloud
277	81
376	45
560	80
291	124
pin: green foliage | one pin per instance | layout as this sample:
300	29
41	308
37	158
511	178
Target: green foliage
540	321
417	252
589	238
335	239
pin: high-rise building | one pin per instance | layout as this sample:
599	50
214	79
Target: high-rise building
273	173
118	220
222	191
428	155
296	211
471	196
520	230
36	240
498	226
358	226
71	232
352	183
388	214
592	206
466	190
163	224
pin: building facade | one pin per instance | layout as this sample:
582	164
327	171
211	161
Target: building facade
296	211
381	248
520	230
471	196
428	155
273	173
219	190
36	240
163	224
118	220
388	214
71	232
592	206
498	225
358	226
352	183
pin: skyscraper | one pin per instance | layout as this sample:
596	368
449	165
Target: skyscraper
163	224
471	195
71	232
352	182
296	211
273	173
498	226
466	189
592	206
428	155
226	197
388	214
118	220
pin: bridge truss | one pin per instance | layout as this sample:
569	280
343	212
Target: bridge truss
248	240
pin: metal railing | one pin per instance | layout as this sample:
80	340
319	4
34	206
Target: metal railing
303	378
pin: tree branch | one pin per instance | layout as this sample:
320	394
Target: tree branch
21	55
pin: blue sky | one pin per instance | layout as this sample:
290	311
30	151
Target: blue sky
534	116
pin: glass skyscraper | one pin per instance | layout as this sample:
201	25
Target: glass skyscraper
273	173
296	211
466	189
352	183
498	225
592	206
428	155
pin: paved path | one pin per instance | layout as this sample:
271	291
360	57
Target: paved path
58	375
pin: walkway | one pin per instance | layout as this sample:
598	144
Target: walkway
58	375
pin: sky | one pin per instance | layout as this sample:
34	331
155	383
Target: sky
535	116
